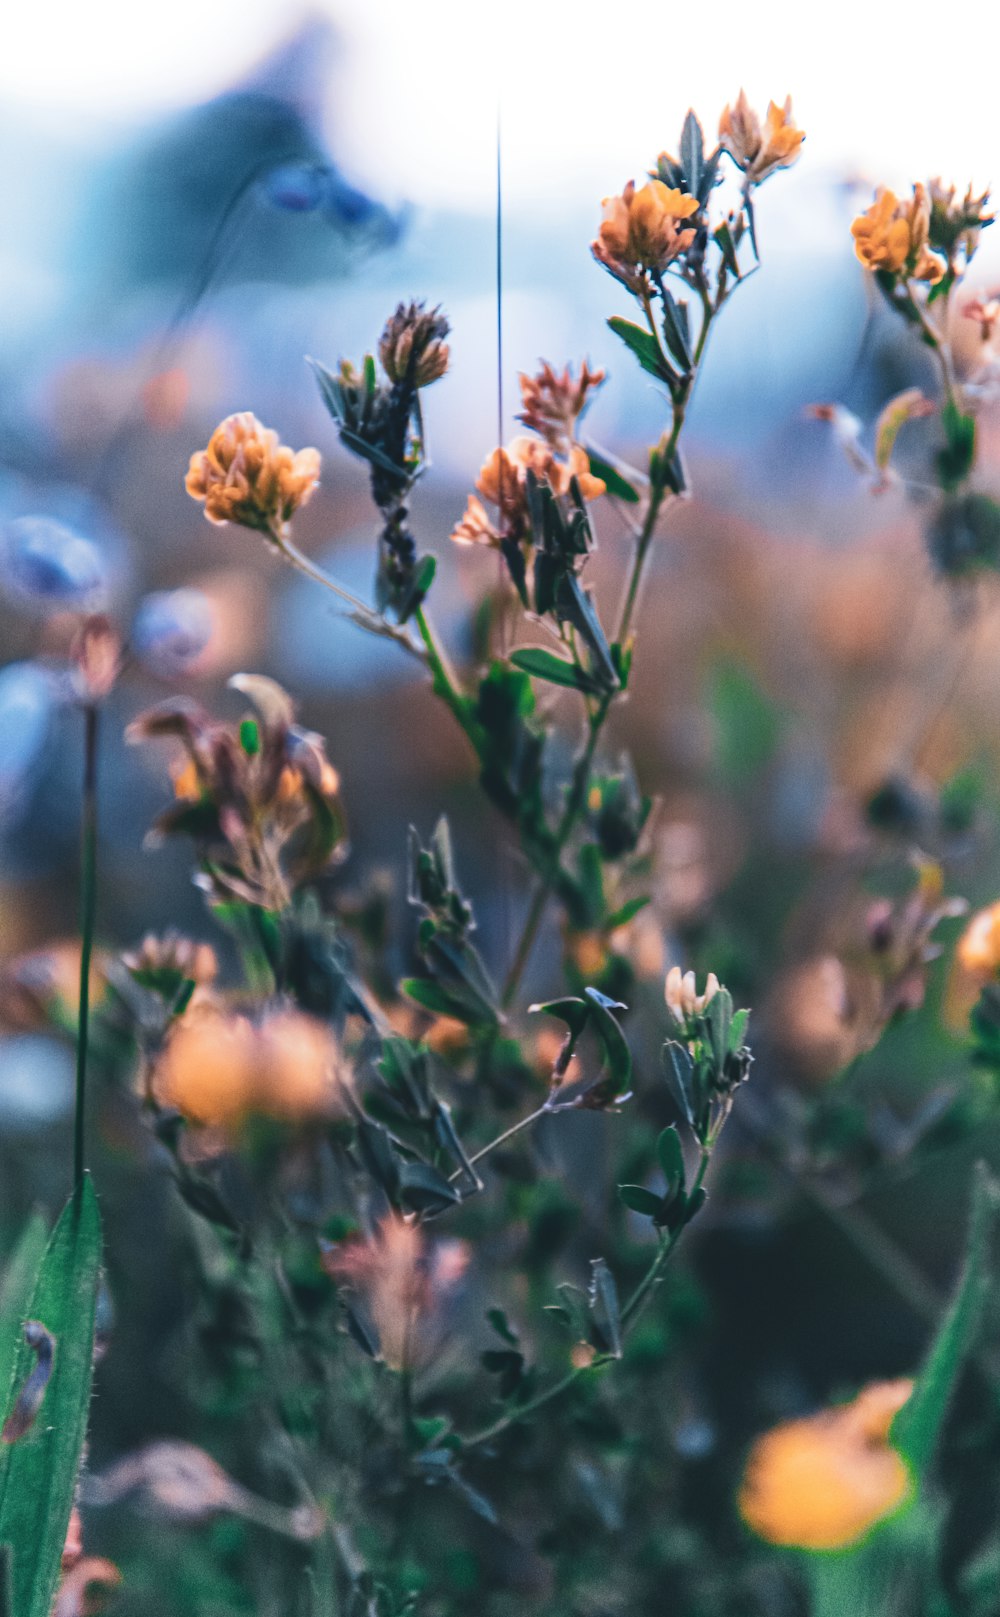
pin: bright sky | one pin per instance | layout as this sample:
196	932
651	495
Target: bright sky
591	91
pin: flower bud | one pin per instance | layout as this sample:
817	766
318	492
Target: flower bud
412	346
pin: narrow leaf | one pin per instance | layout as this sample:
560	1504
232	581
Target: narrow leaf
615	484
557	670
38	1474
603	1299
917	1427
675	330
644	347
641	1200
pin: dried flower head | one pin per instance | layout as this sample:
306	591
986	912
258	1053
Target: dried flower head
822	1482
758	151
247	476
412	346
956	226
893	236
260	797
218	1069
644	231
402	1283
503	481
553	404
680	992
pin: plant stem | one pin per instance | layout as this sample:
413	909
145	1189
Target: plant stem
443	676
630	1312
502	1139
368	618
88	899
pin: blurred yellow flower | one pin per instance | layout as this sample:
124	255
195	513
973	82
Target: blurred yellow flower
247	476
892	236
978	951
219	1069
644	230
759	152
822	1482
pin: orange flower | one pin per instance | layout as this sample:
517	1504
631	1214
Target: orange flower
892	235
502	481
246	476
759	152
219	1069
643	230
822	1482
978	951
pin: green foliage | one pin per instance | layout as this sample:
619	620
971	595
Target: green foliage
38	1472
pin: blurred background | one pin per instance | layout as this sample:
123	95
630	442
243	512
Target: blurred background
197	197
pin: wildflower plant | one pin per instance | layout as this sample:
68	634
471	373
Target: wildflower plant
344	1141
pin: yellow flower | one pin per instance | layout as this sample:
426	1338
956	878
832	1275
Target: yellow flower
759	152
892	236
502	480
220	1069
822	1482
978	951
247	476
643	230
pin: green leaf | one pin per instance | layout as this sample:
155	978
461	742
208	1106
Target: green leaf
574	1012
432	997
546	665
501	1324
602	1296
692	153
917	1427
671	1160
38	1473
626	912
645	347
727	247
616	1050
15	1293
616	485
423	1190
641	1200
250	737
675	330
678	1069
955	460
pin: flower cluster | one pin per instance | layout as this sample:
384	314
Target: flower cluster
759	151
219	1069
247	476
643	232
894	236
259	798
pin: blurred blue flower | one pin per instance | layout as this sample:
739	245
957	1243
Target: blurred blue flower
297	187
171	630
36	1082
46	566
27	696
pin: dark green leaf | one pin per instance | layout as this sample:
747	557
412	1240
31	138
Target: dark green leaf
917	1428
15	1293
641	1200
678	1069
692	153
616	1050
727	247
644	346
38	1474
627	912
432	997
675	330
557	670
617	486
574	1012
602	1297
501	1324
423	1190
671	1159
956	459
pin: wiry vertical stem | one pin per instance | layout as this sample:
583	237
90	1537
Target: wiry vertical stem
88	901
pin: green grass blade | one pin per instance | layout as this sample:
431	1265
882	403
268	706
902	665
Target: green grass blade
15	1296
918	1425
38	1473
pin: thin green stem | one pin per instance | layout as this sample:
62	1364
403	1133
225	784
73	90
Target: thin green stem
501	1139
88	904
365	616
443	676
630	1312
937	339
